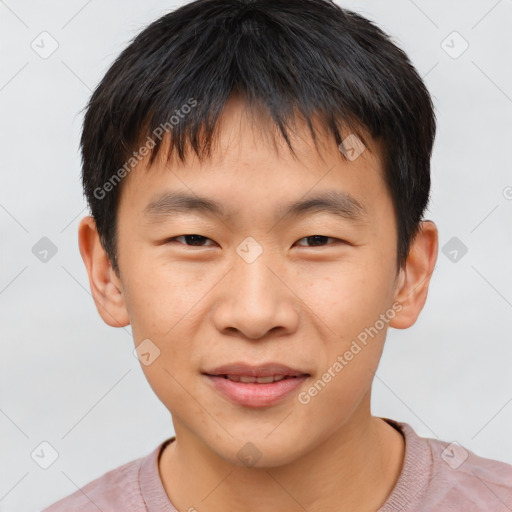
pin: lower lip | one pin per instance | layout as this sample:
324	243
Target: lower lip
254	394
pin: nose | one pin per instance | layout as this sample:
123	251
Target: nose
255	299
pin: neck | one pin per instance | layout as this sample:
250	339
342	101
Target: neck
354	469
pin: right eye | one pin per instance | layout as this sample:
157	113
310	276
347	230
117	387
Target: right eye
195	240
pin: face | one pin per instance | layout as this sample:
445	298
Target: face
258	282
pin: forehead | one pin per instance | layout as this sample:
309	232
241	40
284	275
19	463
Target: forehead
250	163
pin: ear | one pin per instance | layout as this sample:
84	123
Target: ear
414	278
105	285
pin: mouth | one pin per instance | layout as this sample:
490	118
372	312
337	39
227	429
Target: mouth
247	379
246	371
252	386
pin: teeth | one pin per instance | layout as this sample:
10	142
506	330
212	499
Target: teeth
259	380
266	380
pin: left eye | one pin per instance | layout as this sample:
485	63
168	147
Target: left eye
319	239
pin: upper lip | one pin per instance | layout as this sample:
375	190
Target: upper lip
263	370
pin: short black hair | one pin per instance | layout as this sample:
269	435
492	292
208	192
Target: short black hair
283	57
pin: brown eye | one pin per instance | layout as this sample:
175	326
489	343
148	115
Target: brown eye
318	240
195	240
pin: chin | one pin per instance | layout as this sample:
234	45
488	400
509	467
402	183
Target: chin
258	449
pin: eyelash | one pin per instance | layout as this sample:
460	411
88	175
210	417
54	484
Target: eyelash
174	240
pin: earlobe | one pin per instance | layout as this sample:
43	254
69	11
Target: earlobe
106	287
414	279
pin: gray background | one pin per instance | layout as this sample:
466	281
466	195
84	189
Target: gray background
68	379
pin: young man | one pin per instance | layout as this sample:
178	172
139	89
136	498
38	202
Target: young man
257	173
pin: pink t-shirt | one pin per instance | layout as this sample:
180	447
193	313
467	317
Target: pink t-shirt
436	477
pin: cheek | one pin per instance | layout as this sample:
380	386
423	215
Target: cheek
352	343
161	308
157	296
346	297
164	302
349	302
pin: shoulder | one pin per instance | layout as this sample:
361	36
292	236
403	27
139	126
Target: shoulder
117	489
447	476
460	476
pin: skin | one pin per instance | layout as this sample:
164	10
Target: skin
300	302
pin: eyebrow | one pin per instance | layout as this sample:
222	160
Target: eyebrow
334	202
